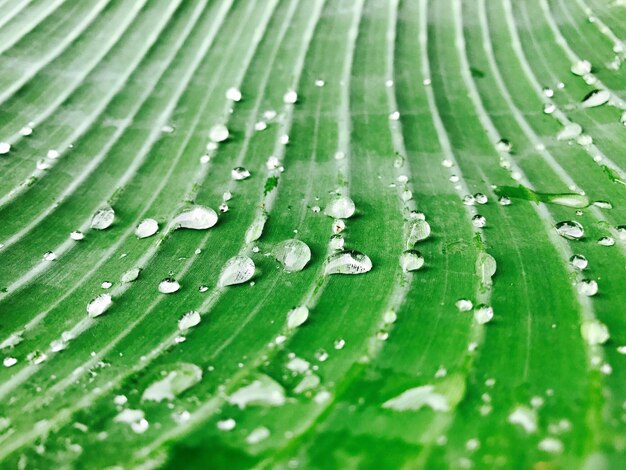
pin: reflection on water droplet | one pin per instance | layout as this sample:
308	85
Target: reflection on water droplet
103	218
292	254
570	229
347	262
99	305
411	260
237	270
169	286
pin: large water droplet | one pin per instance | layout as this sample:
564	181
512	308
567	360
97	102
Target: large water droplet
292	254
99	305
570	229
169	286
237	270
103	218
297	316
146	228
197	218
347	262
411	260
180	378
341	207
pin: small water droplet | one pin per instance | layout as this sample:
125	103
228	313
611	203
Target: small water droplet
418	230
504	201
106	284
49	256
579	261
135	419
319	83
621	232
549	108
503	145
339	343
53	154
587	287
239	173
77	235
146	228
26	130
263	391
411	260
5	147
36	357
479	221
130	276
464	305
255	230
570	229
606	241
168	286
237	270
9	361
233	94
581	67
290	97
260	126
336	242
196	218
338	226
480	198
483	314
218	133
223	207
347	262
297	316
103	218
341	207
257	435
570	131
226	424
99	305
188	320
321	355
292	254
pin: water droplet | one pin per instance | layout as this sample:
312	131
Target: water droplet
179	378
579	261
570	131
321	355
594	332
341	207
226	424
223	207
298	365
239	173
319	83
5	147
411	260
297	316
36	357
480	198
338	226
99	305
549	108
146	228
77	235
196	218
603	204
203	288
233	94
292	254
272	162
581	67
336	242
551	445
260	126
503	145
168	286
394	116
339	343
237	270
188	320
606	241
525	417
469	200
504	201
53	154
103	218
106	284
135	419
483	314
596	98
587	287
255	230
263	391
347	262
9	361
479	221
418	230
218	133
130	276
49	256
570	229
290	97
485	267
416	398
621	232
464	305
26	130
257	435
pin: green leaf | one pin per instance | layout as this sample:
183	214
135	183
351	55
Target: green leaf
186	186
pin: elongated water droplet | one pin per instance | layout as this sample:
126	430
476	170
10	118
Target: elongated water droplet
189	320
347	262
579	261
147	228
130	276
587	287
237	270
341	207
570	131
297	316
594	332
483	314
99	305
218	133
263	391
169	286
292	254
255	230
418	230
596	98
103	218
570	229
411	260
196	218
239	173
180	378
